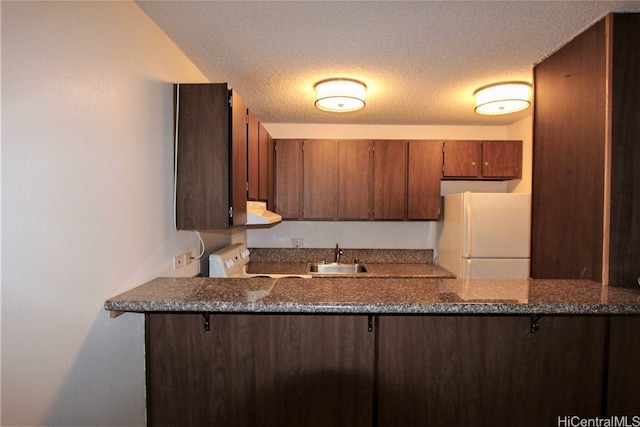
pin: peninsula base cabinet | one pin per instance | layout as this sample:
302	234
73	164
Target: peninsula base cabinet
390	370
488	371
259	370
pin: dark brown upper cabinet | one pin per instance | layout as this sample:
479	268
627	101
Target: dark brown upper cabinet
389	179
288	178
482	160
354	179
211	157
423	180
258	160
335	179
586	203
320	179
253	157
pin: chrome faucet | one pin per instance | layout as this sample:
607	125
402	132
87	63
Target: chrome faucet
338	253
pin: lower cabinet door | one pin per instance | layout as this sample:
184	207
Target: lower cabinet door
259	370
623	390
489	370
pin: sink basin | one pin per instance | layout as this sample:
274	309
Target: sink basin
336	268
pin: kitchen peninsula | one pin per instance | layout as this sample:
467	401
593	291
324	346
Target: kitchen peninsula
386	351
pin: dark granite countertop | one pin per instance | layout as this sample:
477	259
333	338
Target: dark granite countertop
376	295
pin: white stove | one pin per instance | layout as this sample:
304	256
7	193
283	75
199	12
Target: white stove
232	261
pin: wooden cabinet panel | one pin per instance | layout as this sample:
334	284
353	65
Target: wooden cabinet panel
623	391
271	173
462	159
258	143
264	142
624	221
288	178
488	370
238	160
253	156
586	208
210	158
320	179
568	160
424	170
502	159
482	159
259	370
354	179
389	179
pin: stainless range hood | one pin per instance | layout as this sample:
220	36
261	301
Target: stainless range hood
257	214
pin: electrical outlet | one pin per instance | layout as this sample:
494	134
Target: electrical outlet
297	242
178	262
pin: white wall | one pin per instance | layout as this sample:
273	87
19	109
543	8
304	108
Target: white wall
86	204
374	235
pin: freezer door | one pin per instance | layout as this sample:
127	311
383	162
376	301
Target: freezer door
496	225
495	269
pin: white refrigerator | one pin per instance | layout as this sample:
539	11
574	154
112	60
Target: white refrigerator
486	235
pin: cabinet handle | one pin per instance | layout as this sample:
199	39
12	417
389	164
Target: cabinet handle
370	323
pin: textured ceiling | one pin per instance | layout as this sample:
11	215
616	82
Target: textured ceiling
421	60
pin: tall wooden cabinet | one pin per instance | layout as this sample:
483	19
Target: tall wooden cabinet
586	203
211	157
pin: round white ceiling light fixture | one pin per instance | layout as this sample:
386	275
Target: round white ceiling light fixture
503	98
340	95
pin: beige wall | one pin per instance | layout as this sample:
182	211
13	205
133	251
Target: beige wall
87	173
523	129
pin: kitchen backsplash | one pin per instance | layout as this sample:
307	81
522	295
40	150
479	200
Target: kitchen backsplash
390	256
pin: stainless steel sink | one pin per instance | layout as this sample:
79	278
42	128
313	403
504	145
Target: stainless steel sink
336	268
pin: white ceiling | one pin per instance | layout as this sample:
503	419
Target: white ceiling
421	60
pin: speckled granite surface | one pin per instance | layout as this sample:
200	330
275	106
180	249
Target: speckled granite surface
304	255
376	296
374	270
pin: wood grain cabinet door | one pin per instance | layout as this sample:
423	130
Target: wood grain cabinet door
462	159
354	179
258	158
389	179
203	151
425	169
264	144
502	159
320	179
288	178
238	160
253	156
478	371
259	370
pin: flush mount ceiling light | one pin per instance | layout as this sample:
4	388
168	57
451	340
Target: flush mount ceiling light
502	98
340	95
